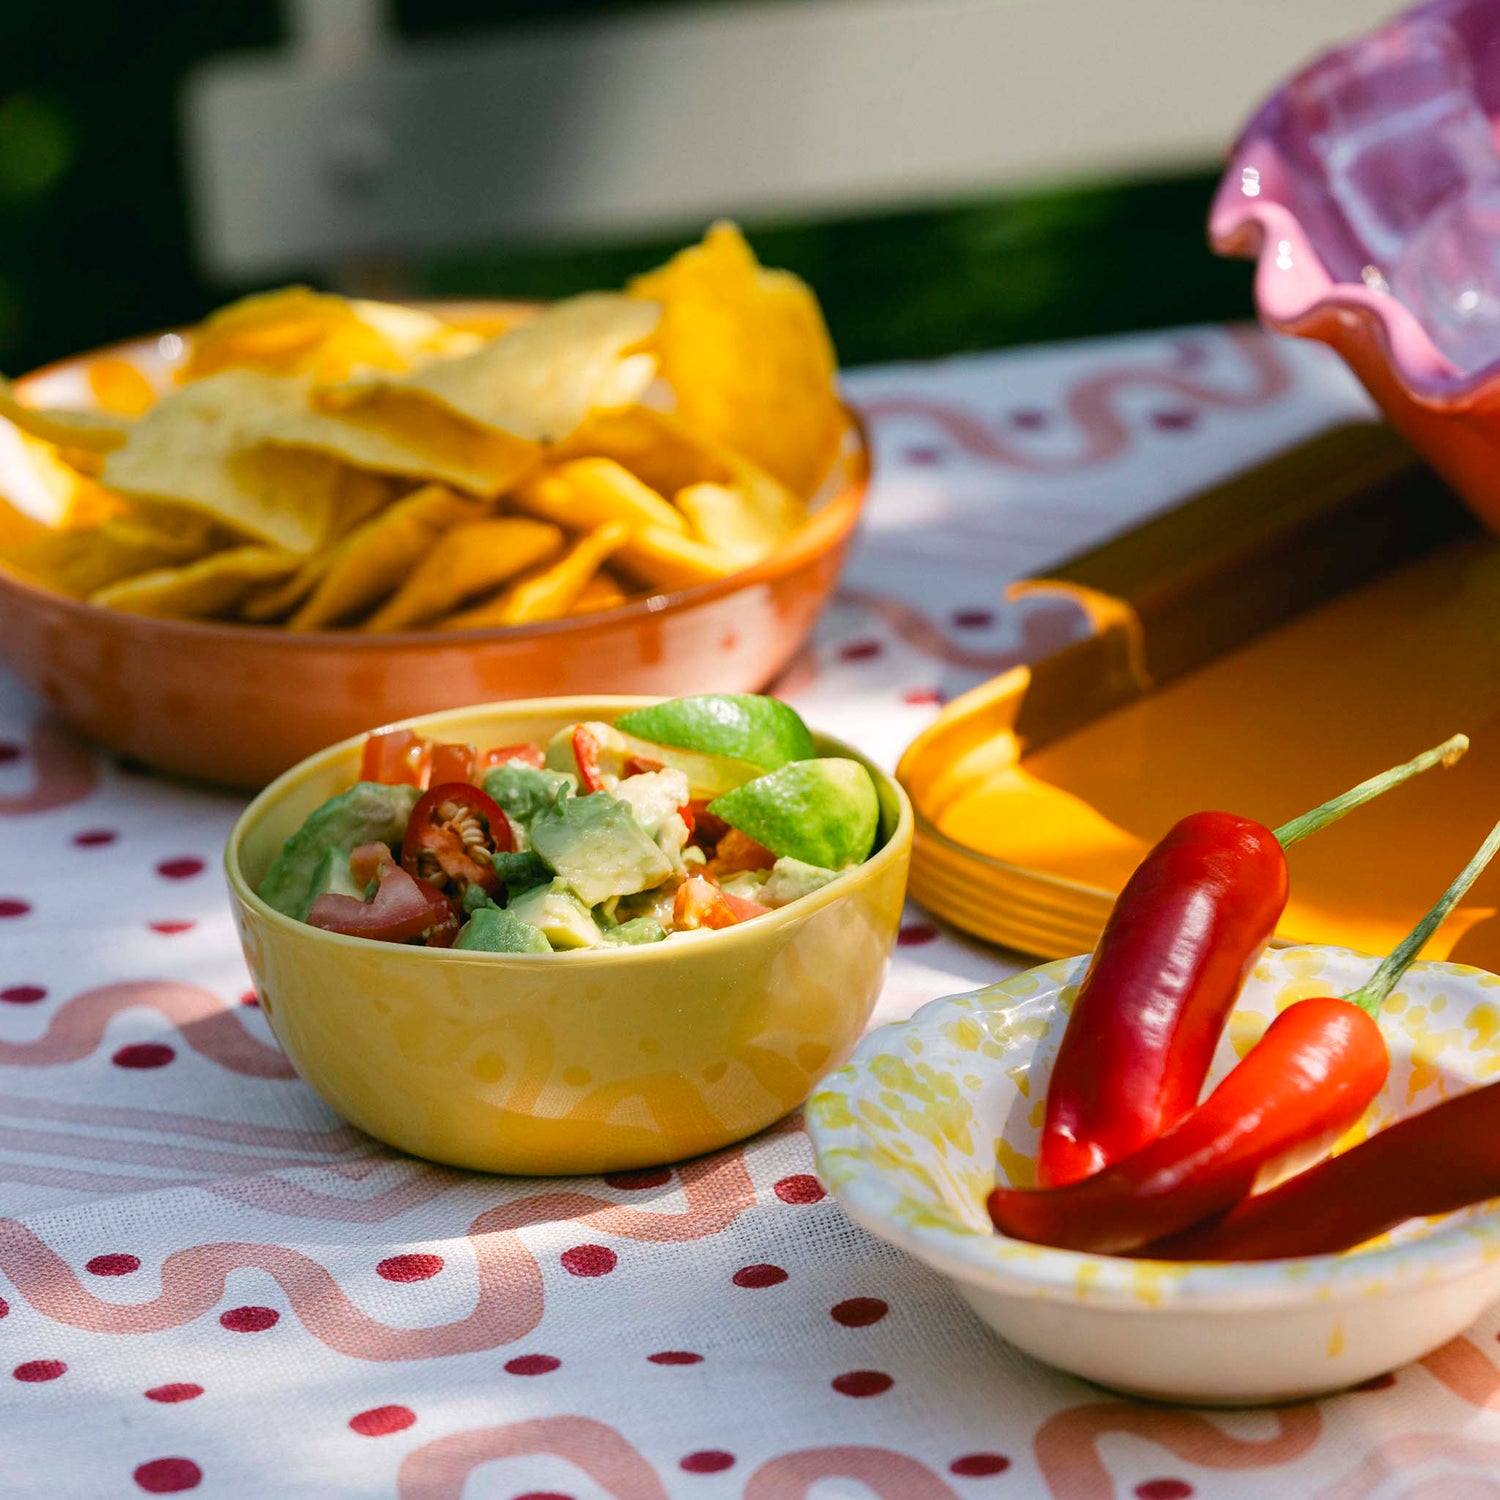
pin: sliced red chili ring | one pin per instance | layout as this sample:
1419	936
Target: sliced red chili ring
586	753
451	835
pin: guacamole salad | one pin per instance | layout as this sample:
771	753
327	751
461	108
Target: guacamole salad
695	813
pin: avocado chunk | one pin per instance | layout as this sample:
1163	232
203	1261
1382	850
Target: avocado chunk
638	930
524	792
369	812
744	726
791	879
562	919
333	878
491	930
598	847
519	870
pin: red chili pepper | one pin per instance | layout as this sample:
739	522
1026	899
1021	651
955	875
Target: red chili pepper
453	762
528	754
689	818
401	909
586	753
451	835
1304	1083
396	757
1185	931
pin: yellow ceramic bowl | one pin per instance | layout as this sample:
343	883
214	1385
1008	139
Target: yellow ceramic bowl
570	1062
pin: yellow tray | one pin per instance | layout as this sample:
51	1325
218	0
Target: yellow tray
1258	649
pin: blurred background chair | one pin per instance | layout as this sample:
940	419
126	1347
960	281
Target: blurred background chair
950	174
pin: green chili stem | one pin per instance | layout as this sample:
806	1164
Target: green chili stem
1445	754
1371	996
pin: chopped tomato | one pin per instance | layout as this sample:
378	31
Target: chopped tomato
586	753
529	754
451	836
707	829
689	817
699	903
453	762
402	908
738	851
396	757
639	765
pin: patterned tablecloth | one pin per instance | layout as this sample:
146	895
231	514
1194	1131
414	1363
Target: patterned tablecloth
213	1285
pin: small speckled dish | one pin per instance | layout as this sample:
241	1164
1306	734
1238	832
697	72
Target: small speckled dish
930	1113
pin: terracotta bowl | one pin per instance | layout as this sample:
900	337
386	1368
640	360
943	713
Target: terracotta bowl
1323	273
238	704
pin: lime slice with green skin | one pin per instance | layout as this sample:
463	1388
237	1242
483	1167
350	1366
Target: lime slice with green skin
763	731
823	812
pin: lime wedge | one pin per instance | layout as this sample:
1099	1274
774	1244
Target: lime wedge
823	812
763	731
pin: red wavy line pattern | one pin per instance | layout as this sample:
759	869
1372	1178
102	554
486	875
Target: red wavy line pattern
1401	1455
65	770
884	1473
1464	1368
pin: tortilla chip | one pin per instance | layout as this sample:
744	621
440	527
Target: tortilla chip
278	600
464	562
296	331
539	380
654	445
600	592
119	387
373	559
81	561
726	519
588	492
551	592
211	586
397	432
92	431
667	560
202	447
748	357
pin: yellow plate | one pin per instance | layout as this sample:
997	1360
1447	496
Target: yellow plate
591	1061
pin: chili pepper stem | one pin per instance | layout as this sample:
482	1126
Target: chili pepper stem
1371	997
1446	754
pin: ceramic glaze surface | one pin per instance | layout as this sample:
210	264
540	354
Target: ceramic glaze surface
590	1061
931	1113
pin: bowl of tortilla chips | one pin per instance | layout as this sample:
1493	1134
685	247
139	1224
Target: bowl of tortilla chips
225	547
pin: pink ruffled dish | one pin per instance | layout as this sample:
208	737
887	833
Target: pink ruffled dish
1327	189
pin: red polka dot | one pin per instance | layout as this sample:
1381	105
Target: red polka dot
415	1267
249	1319
1029	418
95	838
35	1370
923	456
979	1465
973	619
675	1357
708	1461
544	1495
250	1000
9	752
859	1312
921	696
635	1182
861	650
170	1395
184	867
168	1476
1376	1383
143	1055
759	1275
113	1265
532	1364
13	906
1176	420
23	994
802	1188
862	1383
170	929
1163	1489
589	1260
916	935
4	1307
381	1421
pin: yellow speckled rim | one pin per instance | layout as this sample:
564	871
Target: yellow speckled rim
867	1154
565	710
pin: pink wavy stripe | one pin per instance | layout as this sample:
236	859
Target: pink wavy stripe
1047	624
885	1474
85	1182
510	1293
1092	405
439	1469
335	1142
1467	1371
211	1028
65	770
1067	1452
1416	1448
275	1195
184	1159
